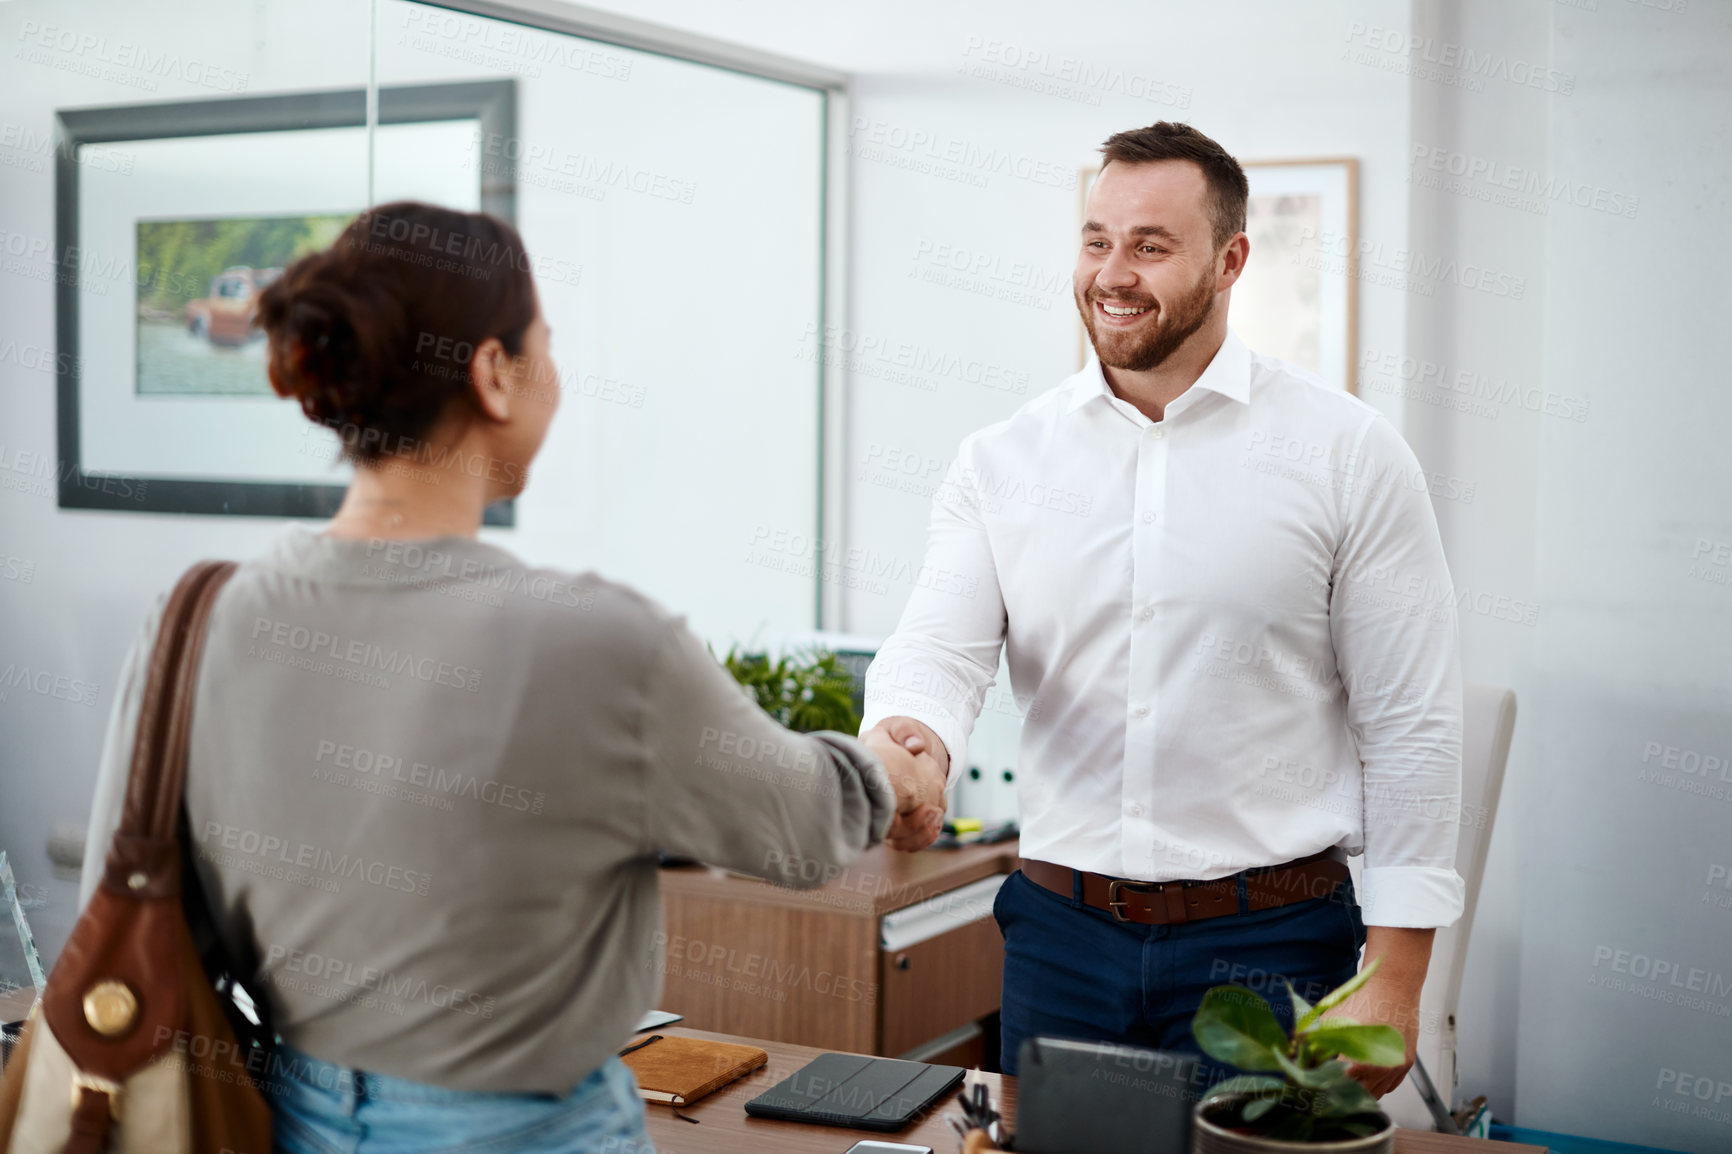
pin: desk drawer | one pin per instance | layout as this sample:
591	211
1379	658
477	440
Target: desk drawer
937	985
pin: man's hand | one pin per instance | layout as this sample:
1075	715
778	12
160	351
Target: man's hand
917	763
1390	998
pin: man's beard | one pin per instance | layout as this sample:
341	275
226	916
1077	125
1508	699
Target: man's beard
1139	351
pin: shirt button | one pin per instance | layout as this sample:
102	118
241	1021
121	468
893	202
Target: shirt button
1148	518
1159	432
1148	615
1139	711
1136	810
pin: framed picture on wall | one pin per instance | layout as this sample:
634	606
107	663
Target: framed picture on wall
164	404
1298	298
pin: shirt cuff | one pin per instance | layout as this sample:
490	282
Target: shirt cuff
1411	897
948	729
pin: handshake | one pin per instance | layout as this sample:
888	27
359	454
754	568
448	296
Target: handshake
918	765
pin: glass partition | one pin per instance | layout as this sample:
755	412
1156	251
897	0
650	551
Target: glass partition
673	213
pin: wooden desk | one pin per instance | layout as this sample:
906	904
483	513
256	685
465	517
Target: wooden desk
805	966
723	1126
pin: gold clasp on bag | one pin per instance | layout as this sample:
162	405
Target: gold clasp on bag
110	1008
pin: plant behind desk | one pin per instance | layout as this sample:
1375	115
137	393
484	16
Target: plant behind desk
805	691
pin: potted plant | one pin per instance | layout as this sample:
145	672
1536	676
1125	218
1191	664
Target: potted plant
806	691
1293	1093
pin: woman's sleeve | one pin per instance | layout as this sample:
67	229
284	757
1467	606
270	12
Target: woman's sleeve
729	786
116	764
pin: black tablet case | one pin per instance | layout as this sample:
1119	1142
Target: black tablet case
851	1090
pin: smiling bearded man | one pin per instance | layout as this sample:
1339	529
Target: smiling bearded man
1217	713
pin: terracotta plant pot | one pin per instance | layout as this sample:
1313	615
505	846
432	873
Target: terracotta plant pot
1209	1137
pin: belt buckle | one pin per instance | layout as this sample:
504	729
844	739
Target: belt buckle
1115	902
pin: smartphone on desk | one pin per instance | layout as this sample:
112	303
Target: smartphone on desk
869	1146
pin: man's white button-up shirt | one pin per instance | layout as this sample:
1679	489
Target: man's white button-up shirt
1232	631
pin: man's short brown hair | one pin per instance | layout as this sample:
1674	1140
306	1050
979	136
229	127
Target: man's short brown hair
1166	140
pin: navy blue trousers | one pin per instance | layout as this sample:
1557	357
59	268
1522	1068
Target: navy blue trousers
1075	972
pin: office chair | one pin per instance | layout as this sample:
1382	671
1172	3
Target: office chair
1488	721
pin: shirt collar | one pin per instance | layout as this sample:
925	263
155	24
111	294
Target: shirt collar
1229	374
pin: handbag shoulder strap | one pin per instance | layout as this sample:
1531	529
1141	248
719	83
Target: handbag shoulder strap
158	775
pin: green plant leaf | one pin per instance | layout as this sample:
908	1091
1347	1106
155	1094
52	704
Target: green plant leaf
1345	1099
1256	1108
1372	1045
1236	1026
1338	995
1300	1006
1310	1078
1259	1084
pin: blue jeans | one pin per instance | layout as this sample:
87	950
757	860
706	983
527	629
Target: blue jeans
321	1108
1074	972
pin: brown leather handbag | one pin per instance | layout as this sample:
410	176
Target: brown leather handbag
131	1048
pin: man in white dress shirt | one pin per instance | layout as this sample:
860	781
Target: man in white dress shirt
1225	607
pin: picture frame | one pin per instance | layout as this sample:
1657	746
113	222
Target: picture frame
1298	299
90	387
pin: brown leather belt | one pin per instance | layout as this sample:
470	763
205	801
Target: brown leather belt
1169	903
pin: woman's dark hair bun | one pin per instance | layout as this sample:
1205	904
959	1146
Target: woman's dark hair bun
361	334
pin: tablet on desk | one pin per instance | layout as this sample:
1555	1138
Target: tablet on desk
856	1091
656	1019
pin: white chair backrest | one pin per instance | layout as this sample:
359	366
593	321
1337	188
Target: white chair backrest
1488	722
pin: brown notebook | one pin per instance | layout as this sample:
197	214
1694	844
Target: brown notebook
679	1071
